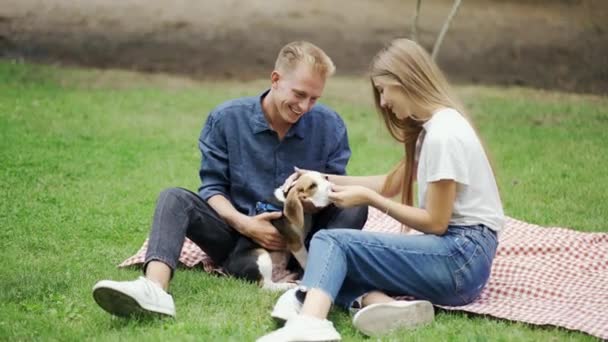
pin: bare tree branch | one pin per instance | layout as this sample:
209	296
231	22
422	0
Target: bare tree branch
415	22
444	29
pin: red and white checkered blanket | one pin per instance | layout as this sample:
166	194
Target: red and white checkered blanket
540	275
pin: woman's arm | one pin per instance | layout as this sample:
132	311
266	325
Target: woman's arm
434	218
371	182
375	183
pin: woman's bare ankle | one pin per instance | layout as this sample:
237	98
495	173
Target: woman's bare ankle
375	297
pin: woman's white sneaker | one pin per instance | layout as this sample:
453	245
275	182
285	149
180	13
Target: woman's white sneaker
383	318
287	306
130	298
303	328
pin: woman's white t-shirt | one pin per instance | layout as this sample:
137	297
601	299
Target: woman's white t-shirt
452	150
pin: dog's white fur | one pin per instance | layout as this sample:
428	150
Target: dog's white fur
265	266
319	197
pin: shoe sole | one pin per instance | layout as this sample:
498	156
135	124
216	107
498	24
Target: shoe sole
122	305
380	319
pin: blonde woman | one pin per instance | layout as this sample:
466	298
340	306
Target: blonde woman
459	215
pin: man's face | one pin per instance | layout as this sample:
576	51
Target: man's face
296	91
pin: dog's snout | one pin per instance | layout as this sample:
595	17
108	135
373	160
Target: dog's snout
311	186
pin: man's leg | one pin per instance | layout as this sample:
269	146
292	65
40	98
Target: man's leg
334	217
179	213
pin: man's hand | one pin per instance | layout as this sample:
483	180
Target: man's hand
259	229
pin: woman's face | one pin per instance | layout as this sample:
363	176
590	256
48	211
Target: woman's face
393	97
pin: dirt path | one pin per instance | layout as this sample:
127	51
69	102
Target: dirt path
555	44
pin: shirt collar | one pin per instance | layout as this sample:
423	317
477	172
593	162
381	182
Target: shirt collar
258	120
260	124
298	129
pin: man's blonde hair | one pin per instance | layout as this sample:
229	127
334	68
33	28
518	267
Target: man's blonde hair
294	53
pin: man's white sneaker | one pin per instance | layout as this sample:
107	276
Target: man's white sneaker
303	328
382	318
287	306
138	297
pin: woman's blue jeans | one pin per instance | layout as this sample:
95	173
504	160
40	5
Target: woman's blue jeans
451	269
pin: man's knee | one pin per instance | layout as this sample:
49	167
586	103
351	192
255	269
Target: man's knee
353	218
172	193
360	215
175	197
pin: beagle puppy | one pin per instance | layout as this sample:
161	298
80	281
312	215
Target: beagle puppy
254	263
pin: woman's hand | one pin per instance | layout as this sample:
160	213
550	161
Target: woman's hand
292	178
346	196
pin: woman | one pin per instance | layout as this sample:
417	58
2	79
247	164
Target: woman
459	214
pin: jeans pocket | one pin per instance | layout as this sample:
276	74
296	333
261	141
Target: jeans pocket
472	274
489	243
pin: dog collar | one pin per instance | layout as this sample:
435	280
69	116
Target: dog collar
263	207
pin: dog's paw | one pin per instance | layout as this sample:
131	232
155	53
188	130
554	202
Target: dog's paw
284	286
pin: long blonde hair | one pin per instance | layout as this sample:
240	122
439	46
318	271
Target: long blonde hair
408	65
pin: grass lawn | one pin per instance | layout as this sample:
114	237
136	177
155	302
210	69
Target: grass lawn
85	153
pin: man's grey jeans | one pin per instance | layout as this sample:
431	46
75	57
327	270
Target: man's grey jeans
181	213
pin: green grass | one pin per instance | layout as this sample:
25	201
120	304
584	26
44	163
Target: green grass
84	155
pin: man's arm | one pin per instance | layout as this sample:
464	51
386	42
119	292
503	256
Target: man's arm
214	169
258	227
215	179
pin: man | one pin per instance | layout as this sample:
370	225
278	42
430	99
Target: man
249	147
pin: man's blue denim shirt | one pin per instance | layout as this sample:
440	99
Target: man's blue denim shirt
243	159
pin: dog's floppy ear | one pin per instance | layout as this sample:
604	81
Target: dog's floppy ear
280	194
294	212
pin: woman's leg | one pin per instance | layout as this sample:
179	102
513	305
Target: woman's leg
344	264
316	304
330	272
449	269
376	297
